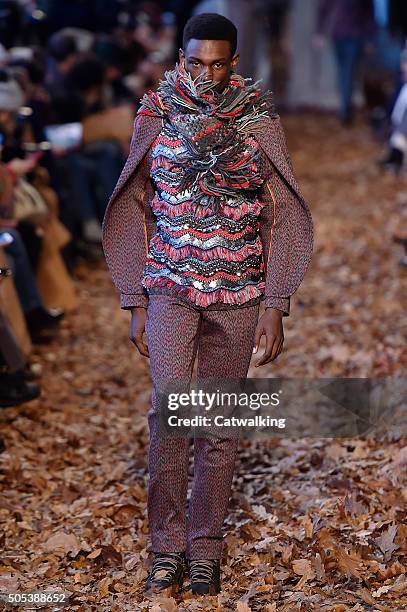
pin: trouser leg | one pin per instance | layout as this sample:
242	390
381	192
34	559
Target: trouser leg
225	350
9	347
23	274
172	330
348	51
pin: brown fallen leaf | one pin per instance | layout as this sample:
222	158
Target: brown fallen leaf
368	598
242	607
132	562
94	554
66	542
302	566
287	553
302	581
104	587
349	562
161	573
386	542
164	604
9	581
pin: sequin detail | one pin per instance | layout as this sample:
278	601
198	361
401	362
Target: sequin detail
207	170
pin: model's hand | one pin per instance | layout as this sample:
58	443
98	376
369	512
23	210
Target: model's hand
271	325
137	327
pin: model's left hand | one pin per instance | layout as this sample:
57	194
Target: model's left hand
271	325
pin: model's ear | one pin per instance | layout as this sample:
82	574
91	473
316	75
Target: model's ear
235	60
181	55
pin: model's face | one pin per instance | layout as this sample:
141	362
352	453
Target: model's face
210	59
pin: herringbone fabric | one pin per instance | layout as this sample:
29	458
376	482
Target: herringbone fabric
223	340
286	221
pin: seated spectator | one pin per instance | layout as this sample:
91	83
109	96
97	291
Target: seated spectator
15	384
63	53
23	214
40	320
15	370
91	171
80	92
114	58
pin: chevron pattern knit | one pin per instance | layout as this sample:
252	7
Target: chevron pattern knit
207	170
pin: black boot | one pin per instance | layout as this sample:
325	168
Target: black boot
166	575
393	161
15	390
44	318
41	322
205	576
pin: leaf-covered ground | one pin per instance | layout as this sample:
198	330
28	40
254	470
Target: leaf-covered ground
314	524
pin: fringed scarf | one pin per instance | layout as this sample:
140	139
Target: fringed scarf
220	161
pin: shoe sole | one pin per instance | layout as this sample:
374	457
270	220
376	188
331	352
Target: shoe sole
170	591
11	403
212	591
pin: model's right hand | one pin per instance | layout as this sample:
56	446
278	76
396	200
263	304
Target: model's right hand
137	327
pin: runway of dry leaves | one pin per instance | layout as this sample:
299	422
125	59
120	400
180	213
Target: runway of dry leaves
314	524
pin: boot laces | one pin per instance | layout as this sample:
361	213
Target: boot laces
167	563
201	570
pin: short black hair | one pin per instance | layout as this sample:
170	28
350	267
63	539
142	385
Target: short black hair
210	26
86	73
61	46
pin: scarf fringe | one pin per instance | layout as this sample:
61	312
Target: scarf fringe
200	298
242	99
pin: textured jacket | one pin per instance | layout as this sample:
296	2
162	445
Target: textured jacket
286	226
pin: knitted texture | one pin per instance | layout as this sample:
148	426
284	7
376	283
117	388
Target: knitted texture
208	154
285	222
176	334
207	170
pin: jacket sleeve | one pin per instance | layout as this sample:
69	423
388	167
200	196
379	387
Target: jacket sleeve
286	230
124	230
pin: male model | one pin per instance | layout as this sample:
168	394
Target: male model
206	221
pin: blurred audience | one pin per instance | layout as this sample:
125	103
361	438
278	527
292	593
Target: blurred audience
398	139
352	26
71	77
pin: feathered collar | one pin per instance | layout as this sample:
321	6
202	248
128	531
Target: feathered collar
241	101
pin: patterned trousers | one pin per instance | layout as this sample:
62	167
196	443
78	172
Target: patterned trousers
223	340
